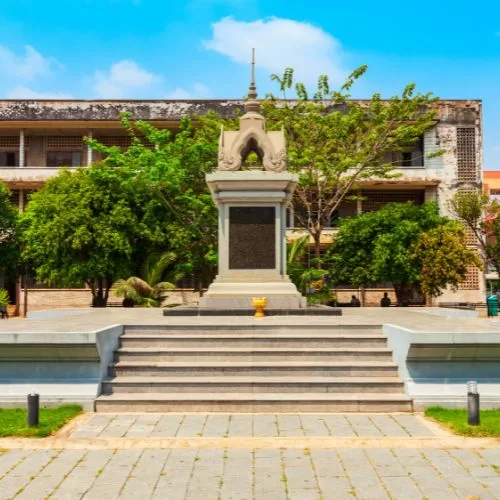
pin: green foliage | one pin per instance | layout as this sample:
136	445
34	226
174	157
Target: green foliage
4	297
442	257
173	166
480	214
304	275
95	225
150	291
9	244
85	227
456	420
470	206
141	292
13	421
335	143
401	243
296	263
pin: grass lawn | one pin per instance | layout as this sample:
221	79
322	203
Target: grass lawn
456	421
13	421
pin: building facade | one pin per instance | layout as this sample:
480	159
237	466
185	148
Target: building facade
38	137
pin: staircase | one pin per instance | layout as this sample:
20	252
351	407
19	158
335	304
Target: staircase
319	368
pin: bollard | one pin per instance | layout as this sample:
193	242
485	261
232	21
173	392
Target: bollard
473	403
33	409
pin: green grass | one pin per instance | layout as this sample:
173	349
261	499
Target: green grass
456	421
13	421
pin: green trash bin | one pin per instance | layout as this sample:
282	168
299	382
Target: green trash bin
492	305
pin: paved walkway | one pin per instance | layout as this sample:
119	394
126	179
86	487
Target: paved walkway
247	425
250	474
259	456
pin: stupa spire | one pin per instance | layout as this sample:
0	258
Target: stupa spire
252	104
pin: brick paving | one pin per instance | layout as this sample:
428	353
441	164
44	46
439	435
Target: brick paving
250	474
238	472
241	425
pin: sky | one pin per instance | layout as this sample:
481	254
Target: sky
200	49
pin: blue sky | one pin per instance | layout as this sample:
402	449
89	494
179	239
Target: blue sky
199	48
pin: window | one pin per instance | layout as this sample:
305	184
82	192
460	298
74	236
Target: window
471	281
412	157
374	200
64	158
466	154
9	159
406	160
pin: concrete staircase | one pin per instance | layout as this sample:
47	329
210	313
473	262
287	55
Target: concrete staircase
245	369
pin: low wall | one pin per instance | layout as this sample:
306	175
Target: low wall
372	296
436	367
64	298
61	367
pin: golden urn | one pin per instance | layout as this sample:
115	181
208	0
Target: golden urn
259	303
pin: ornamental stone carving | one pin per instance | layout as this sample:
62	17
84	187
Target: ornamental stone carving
252	137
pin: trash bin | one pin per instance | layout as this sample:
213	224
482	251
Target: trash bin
492	305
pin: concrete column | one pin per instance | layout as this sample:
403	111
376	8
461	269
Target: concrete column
283	239
359	207
21	148
21	200
89	150
292	216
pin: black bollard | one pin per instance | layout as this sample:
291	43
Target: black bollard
33	409
473	403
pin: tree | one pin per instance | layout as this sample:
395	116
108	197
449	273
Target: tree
86	226
173	165
480	214
335	143
390	245
443	259
9	245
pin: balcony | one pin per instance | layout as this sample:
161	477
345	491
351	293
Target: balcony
28	177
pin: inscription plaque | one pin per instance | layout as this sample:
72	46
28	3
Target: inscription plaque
252	238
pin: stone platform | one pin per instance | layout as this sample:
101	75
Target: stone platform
428	356
211	311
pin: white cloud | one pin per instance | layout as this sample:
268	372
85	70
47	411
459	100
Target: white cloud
122	79
25	66
197	91
280	43
21	92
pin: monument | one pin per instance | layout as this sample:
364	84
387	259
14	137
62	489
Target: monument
252	198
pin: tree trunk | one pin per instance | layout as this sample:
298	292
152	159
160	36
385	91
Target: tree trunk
100	298
404	292
317	248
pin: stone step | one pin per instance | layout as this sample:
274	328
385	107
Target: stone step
261	402
254	354
256	368
263	340
252	329
252	384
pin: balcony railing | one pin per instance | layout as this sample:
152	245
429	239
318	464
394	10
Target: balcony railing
32	174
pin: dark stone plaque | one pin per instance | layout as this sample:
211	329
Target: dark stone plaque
252	238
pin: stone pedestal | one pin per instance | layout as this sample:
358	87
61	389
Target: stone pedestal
252	240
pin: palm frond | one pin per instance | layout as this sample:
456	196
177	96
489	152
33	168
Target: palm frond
140	286
297	249
123	288
155	266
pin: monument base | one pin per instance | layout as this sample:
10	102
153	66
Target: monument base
237	295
